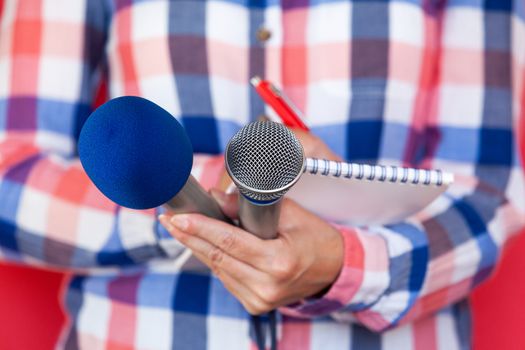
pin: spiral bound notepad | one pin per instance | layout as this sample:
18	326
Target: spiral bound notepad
365	194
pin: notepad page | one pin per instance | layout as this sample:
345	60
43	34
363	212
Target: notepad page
364	194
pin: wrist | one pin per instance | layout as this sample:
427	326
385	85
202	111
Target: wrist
331	257
364	254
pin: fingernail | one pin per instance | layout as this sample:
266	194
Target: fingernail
219	196
164	220
180	222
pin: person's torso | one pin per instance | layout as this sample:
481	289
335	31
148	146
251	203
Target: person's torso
391	82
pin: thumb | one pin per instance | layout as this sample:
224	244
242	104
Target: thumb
228	202
313	146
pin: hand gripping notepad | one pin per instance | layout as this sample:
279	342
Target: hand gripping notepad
362	194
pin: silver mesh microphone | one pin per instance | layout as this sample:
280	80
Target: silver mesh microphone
264	160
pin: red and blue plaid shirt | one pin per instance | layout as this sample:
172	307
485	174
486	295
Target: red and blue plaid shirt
423	83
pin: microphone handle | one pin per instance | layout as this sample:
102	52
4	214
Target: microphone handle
192	198
261	220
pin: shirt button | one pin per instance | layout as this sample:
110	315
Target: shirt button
263	34
263	118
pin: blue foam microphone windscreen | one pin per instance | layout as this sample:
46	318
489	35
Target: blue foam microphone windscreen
135	152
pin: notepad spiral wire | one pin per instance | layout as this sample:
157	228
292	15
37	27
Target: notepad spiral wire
380	173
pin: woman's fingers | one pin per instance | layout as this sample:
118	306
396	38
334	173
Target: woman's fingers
225	246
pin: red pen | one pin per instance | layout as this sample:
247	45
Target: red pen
285	109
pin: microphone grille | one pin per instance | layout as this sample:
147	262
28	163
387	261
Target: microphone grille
264	159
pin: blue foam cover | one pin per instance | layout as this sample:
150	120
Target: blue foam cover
135	152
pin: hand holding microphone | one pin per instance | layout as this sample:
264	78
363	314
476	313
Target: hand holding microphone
304	259
306	255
